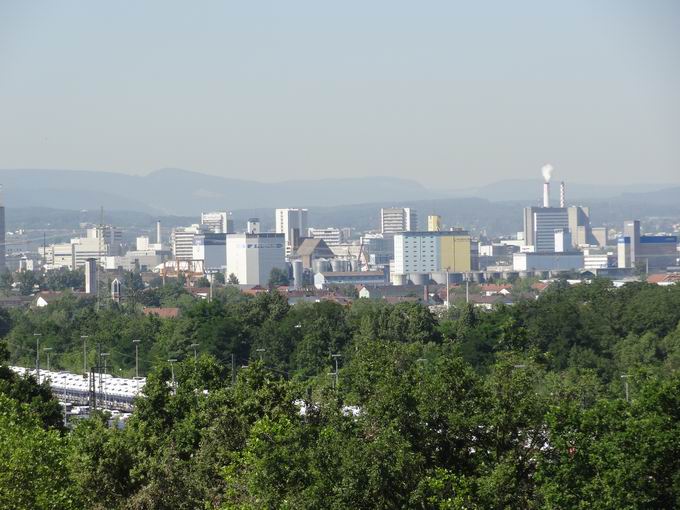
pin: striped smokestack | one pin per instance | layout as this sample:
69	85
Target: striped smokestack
562	198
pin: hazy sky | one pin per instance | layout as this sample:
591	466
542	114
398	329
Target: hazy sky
449	93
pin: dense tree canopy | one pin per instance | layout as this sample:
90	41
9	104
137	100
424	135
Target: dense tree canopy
517	407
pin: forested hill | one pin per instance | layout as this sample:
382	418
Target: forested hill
519	407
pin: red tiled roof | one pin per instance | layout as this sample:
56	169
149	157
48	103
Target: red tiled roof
165	313
663	278
492	287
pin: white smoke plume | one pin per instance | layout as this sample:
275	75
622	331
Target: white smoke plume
547	170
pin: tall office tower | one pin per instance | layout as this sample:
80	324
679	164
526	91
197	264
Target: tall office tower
253	226
217	222
631	229
251	257
579	225
434	223
292	223
91	276
3	261
182	240
110	238
398	219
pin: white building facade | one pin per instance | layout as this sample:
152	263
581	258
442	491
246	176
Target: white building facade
218	222
251	257
182	239
398	219
332	236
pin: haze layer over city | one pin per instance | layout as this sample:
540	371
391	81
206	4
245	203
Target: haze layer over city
364	255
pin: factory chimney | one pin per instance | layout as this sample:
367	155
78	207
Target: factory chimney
562	198
546	170
158	232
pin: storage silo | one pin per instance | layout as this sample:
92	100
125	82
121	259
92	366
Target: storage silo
419	278
321	266
298	272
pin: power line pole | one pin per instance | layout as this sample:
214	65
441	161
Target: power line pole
233	370
194	346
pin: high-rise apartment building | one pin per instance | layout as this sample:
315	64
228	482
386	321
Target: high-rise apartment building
292	223
182	240
331	236
434	223
217	222
398	219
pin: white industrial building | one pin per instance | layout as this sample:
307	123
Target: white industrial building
211	248
567	261
99	242
398	219
251	257
292	223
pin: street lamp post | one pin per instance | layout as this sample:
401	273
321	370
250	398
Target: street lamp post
47	351
136	342
37	355
194	346
335	374
102	382
625	383
172	371
84	338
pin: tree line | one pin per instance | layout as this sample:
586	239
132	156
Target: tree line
570	400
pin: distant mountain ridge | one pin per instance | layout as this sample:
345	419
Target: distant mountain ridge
183	192
177	192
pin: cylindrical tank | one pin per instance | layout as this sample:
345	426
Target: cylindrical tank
340	265
439	278
297	274
398	279
321	266
419	278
